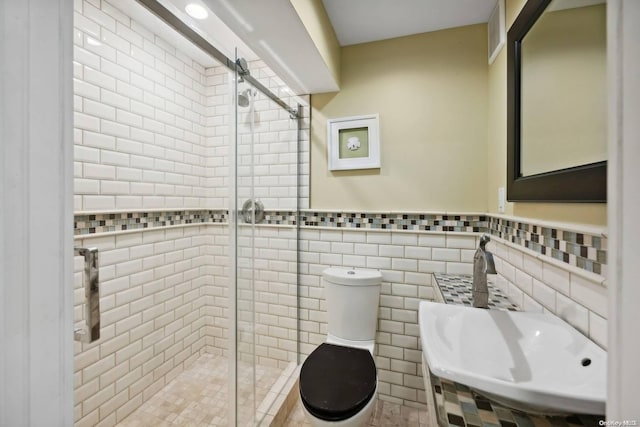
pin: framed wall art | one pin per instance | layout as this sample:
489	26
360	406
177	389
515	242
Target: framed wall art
354	142
496	31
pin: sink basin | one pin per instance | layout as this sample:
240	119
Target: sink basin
533	362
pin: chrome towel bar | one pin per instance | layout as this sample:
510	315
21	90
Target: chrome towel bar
91	281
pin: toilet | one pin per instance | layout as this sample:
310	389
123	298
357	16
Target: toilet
338	381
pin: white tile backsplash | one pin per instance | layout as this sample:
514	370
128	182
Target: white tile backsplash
591	295
555	277
532	266
459	268
543	294
441	254
598	329
461	241
538	284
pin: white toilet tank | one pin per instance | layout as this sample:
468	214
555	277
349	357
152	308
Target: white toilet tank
352	298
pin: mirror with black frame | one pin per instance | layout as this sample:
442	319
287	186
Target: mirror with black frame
556	105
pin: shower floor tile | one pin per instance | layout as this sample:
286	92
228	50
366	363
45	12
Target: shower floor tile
386	414
199	396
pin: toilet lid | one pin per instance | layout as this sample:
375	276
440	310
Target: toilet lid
336	382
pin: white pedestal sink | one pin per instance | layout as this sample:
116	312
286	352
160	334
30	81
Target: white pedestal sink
529	361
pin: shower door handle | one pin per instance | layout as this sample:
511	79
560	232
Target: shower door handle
91	282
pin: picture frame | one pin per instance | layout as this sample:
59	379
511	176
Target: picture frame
354	142
497	33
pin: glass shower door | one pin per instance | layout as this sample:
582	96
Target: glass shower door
265	234
244	229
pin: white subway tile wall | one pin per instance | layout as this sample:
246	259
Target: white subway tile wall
164	301
539	283
273	165
157	318
139	117
218	122
152	126
216	290
267	295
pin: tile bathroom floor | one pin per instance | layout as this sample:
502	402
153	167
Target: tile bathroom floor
386	414
198	396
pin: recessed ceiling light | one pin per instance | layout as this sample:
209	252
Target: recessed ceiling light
196	11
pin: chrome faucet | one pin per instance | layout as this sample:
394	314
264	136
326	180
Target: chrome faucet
482	265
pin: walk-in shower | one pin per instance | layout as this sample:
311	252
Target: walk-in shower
187	185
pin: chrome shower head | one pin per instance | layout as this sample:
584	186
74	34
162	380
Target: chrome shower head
245	97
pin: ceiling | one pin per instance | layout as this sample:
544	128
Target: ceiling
212	28
361	21
273	31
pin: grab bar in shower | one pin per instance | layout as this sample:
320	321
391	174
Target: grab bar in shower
91	281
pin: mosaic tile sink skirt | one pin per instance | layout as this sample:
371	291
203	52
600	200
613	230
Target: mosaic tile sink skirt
457	405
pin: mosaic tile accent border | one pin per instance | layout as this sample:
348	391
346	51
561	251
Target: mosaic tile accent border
582	250
396	221
125	221
456	289
585	251
458	406
280	218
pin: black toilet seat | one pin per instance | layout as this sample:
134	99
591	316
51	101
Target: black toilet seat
336	382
